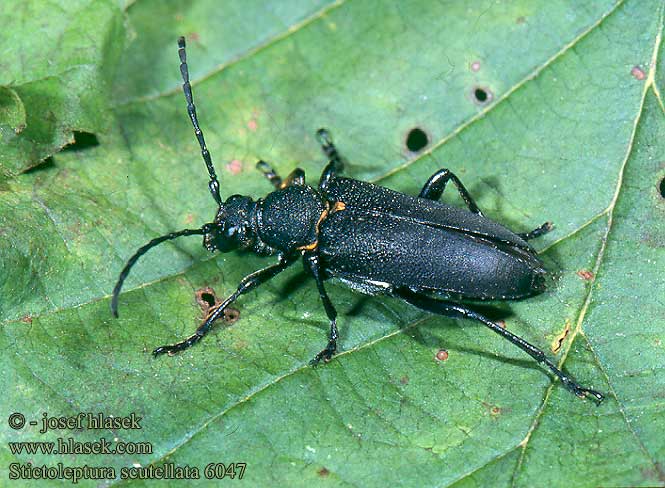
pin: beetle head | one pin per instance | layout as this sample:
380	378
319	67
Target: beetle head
232	227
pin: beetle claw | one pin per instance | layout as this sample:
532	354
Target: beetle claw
325	354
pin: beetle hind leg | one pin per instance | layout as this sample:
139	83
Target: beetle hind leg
455	310
436	185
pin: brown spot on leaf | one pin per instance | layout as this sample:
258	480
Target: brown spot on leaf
585	274
494	410
323	472
442	355
235	166
231	315
27	319
501	323
252	125
194	36
638	73
558	340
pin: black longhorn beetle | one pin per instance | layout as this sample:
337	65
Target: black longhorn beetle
373	239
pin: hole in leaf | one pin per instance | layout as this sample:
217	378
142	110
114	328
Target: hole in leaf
661	188
208	298
47	164
416	139
82	141
482	95
208	301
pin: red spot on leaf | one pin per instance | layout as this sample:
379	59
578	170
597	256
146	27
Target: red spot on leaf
638	73
234	166
585	274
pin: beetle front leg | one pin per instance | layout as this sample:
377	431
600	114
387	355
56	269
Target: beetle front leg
335	163
248	283
455	310
297	176
436	184
312	263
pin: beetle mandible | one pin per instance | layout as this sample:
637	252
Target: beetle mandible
373	239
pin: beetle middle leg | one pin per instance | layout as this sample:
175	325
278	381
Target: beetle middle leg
312	264
297	176
455	310
436	184
248	283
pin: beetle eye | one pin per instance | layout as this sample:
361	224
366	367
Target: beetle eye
230	232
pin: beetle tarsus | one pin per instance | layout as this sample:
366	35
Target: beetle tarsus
537	232
326	354
270	174
582	392
335	164
172	349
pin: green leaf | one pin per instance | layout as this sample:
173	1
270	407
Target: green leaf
55	74
571	131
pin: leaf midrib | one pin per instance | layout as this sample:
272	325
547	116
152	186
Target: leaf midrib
649	84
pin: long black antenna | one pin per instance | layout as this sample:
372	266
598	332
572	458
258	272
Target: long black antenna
191	110
142	250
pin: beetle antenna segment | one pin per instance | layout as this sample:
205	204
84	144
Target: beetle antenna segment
191	110
142	250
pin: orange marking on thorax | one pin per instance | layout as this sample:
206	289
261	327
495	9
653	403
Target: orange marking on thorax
337	206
